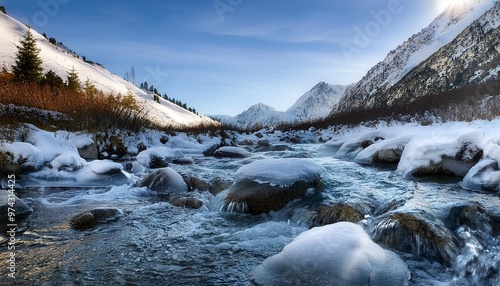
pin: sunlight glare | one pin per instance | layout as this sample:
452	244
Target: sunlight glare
441	5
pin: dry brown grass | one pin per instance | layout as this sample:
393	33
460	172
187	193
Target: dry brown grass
87	109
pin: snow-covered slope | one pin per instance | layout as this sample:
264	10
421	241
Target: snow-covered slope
314	104
61	61
318	102
399	62
258	114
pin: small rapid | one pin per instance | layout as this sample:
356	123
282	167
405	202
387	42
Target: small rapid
156	243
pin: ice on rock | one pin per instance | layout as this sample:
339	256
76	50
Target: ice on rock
336	254
282	172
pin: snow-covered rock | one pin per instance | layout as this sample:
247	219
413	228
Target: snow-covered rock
282	172
162	153
483	176
336	254
269	184
69	161
231	152
29	157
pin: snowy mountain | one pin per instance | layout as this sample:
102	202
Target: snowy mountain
318	102
449	52
314	104
258	114
61	61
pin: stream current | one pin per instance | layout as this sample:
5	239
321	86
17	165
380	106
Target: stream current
155	243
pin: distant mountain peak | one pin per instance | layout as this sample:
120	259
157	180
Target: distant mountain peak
314	104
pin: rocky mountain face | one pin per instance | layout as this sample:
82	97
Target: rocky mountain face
314	104
460	47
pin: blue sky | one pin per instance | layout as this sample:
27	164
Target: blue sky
222	56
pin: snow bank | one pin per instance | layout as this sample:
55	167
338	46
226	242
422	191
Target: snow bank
465	149
336	254
282	172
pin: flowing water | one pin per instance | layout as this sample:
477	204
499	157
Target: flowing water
155	243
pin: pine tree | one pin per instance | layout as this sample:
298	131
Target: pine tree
53	80
73	82
28	65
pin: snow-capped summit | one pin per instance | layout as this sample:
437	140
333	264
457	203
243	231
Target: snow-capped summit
318	102
60	60
257	114
374	87
314	104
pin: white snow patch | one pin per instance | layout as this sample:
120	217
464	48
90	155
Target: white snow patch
160	152
283	172
336	254
69	159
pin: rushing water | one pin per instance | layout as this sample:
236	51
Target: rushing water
155	243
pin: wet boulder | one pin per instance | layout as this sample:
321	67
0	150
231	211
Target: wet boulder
183	161
10	200
186	202
165	181
92	218
231	152
248	196
263	143
336	212
416	232
89	152
274	148
269	184
218	185
472	214
195	183
335	254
